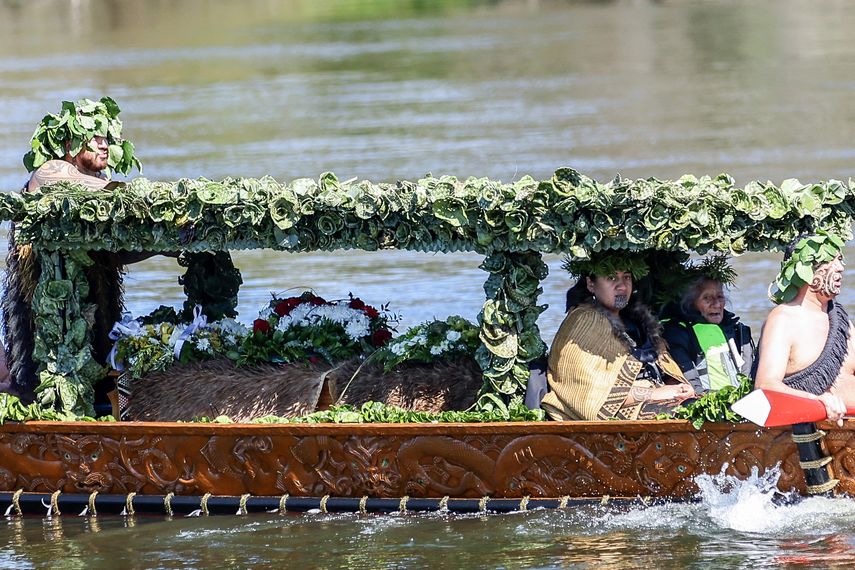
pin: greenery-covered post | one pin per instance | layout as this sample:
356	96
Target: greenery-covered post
62	334
509	333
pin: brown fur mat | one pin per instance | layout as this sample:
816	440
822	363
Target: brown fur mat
218	387
437	387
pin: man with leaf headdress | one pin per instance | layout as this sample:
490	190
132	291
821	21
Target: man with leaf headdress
608	359
82	145
806	346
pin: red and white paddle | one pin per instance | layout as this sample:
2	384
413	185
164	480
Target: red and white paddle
768	408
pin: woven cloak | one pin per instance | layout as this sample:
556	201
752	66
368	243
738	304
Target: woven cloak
822	373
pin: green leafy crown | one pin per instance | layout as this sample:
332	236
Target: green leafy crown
797	270
75	126
607	264
714	267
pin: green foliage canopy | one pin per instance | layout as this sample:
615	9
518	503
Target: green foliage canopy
511	224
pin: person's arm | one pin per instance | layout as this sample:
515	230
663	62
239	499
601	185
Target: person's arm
775	345
60	170
640	393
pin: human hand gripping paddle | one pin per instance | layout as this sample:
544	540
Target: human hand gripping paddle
769	408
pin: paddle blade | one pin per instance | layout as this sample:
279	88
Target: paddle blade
768	408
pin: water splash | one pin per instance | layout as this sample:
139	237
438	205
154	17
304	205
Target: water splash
756	505
751	505
746	505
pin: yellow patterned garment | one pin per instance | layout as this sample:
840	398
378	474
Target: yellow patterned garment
591	370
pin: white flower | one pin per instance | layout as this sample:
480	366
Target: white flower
398	349
204	345
356	323
230	328
452	336
436	350
356	330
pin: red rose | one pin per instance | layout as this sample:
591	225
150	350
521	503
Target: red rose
371	312
261	326
314	300
357	303
285	307
381	337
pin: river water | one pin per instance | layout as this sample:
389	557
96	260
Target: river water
394	89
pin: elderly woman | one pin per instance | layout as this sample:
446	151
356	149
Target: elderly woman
708	342
608	359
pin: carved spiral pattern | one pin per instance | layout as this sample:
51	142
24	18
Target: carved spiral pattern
387	462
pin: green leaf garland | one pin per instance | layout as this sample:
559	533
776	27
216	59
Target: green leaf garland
511	224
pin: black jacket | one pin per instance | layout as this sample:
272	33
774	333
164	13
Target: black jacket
685	348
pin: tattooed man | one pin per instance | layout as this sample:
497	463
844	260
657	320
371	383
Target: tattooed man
806	346
86	167
84	164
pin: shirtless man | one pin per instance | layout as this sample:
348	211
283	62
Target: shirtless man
807	346
87	167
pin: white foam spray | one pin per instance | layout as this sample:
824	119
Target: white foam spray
754	505
750	505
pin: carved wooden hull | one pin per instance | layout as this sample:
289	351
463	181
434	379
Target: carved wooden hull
501	460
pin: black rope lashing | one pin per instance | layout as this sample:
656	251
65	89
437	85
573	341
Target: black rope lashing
208	504
813	460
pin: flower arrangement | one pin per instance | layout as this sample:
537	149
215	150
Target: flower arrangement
143	348
305	327
308	327
431	341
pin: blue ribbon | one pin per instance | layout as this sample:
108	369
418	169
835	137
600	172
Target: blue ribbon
200	321
128	326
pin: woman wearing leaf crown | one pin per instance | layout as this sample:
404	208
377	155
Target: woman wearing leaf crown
608	359
711	345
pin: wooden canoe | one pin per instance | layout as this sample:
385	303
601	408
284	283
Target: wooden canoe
499	460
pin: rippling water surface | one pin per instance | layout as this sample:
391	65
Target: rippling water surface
734	524
386	90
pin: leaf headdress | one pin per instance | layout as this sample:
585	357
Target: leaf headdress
75	125
715	268
797	268
607	264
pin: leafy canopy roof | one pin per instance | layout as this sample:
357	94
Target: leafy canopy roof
567	213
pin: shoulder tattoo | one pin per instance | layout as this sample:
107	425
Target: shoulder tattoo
53	171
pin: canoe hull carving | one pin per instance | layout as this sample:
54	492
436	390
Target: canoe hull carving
501	460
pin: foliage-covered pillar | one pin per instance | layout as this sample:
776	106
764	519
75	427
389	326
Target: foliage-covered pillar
509	334
62	333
